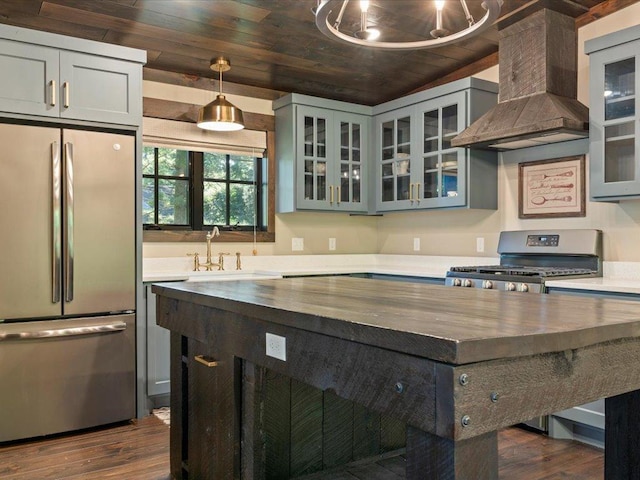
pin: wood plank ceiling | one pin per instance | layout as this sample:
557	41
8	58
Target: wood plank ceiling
274	46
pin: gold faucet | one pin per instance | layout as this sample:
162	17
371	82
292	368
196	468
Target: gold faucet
208	264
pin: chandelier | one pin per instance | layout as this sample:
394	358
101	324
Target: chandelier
330	13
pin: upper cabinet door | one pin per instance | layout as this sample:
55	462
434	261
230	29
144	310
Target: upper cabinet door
614	127
442	181
351	164
314	158
397	159
100	89
29	80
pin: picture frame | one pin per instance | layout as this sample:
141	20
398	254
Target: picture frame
552	188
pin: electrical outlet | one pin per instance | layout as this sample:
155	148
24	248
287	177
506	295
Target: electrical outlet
480	244
416	244
297	244
332	244
276	347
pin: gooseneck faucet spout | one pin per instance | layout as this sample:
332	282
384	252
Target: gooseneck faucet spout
215	232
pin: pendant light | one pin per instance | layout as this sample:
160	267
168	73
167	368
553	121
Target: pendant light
220	115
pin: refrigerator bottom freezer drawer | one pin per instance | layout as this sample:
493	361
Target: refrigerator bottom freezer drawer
64	375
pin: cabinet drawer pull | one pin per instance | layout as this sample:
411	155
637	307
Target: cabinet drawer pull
206	361
65	87
331	194
418	192
53	93
338	194
411	192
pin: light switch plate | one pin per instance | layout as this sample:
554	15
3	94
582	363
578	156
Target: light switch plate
332	243
416	244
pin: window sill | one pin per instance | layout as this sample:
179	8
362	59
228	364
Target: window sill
225	236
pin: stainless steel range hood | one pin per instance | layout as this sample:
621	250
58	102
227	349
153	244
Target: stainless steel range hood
537	87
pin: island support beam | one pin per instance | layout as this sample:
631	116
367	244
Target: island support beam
622	436
430	456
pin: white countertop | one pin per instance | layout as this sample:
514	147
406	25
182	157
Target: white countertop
618	277
175	269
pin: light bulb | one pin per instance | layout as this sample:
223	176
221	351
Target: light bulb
364	5
439	5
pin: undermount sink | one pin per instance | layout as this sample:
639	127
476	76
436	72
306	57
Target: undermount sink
226	275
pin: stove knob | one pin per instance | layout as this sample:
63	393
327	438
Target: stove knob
488	284
467	283
523	287
511	287
457	282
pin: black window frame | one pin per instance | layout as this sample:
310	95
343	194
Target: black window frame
196	193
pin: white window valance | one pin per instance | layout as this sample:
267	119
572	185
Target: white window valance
184	135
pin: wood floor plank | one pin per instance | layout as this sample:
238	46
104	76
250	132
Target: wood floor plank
140	451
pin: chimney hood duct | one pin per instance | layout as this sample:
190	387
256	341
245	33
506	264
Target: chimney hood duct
537	87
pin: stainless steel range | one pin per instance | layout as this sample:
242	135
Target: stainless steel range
529	257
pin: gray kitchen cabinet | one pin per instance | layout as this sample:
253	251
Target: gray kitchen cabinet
614	123
416	166
55	76
158	355
322	150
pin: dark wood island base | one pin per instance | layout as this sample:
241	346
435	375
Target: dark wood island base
452	365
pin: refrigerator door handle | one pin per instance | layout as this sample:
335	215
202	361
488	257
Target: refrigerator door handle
69	253
56	222
64	332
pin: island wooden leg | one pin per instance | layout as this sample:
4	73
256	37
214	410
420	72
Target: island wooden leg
433	457
622	437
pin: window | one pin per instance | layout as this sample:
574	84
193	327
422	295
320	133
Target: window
193	190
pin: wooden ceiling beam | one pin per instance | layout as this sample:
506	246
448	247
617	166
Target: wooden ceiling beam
188	112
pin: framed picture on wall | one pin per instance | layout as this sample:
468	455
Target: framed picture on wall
552	188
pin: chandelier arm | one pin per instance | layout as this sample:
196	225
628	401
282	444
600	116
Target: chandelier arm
467	15
324	9
339	19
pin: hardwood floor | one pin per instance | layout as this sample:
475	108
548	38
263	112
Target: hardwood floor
140	451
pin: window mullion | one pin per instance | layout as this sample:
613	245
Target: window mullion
197	190
227	182
156	188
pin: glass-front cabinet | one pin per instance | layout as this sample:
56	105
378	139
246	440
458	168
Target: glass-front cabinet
614	123
395	165
417	168
322	156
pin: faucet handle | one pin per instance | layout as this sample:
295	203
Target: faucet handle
196	261
221	259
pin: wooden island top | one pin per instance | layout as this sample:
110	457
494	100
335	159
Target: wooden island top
453	325
454	364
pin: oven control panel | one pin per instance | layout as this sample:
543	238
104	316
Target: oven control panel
543	240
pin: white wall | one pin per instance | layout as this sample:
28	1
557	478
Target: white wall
445	232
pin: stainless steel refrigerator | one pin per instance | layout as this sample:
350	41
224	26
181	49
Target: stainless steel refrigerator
67	279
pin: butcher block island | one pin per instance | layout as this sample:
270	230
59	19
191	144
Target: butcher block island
355	363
